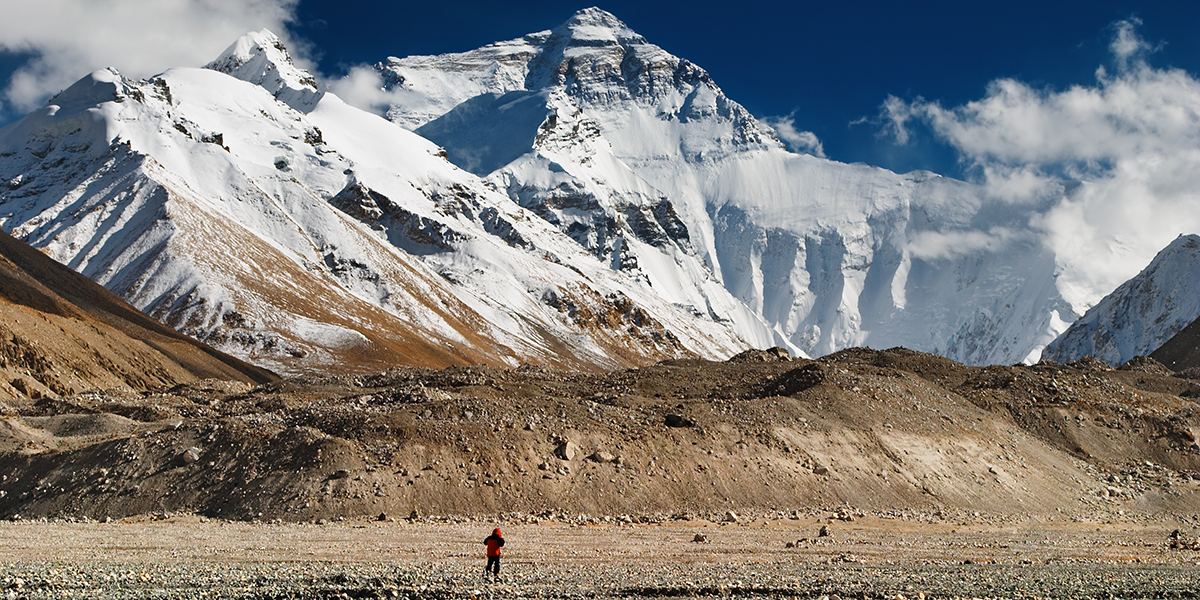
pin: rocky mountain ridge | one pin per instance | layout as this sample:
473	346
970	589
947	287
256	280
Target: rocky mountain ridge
288	228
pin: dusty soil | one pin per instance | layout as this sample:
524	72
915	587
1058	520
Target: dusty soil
894	430
869	557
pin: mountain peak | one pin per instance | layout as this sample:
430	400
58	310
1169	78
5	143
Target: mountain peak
594	26
596	17
261	58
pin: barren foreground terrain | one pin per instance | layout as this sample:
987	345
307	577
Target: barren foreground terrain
868	557
681	479
892	430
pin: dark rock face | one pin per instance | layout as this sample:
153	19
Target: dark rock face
1181	352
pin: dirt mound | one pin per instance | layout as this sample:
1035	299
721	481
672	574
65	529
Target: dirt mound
769	355
797	380
881	430
60	333
1091	364
1145	364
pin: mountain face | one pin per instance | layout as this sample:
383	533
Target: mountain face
642	160
1181	352
242	206
62	333
1143	313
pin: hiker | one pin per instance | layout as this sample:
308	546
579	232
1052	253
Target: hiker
494	542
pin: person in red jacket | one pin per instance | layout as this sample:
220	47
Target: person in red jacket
494	542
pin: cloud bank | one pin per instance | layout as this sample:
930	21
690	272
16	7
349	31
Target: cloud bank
1119	160
68	39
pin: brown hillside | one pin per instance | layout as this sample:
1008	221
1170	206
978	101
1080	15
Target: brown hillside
867	430
61	333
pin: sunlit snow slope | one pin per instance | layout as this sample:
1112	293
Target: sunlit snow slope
639	157
241	205
1143	313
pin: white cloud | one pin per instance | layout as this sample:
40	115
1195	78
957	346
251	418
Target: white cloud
1127	46
362	87
934	245
70	38
804	142
1119	161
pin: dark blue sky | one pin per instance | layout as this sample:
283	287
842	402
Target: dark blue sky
829	63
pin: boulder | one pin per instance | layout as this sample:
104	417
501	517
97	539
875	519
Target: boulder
190	455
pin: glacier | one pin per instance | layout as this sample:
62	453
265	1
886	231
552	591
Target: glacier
641	158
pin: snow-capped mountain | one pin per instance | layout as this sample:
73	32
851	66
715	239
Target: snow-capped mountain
1141	314
639	157
241	205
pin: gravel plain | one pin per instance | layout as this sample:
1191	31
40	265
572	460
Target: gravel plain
869	557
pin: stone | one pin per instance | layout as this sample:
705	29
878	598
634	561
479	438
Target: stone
730	517
820	470
567	450
700	538
191	455
340	474
601	456
824	532
674	420
382	517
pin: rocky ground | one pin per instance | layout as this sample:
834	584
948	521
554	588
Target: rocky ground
681	479
870	556
894	430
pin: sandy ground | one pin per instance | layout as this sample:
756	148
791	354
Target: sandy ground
871	557
868	540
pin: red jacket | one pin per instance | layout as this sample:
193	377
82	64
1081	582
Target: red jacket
494	542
